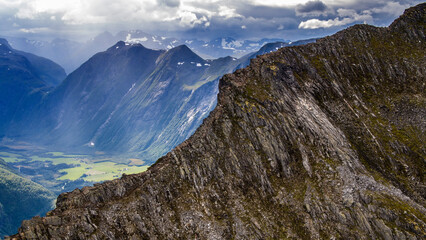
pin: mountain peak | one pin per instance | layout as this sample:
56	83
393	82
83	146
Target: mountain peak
179	54
117	45
411	22
48	71
181	49
416	14
5	44
120	45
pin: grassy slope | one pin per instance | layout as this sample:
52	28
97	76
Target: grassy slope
20	199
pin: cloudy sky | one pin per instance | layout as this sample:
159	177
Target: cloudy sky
202	19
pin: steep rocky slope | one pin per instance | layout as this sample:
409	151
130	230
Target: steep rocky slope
318	141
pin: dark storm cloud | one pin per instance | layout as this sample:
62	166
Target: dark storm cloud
81	19
242	28
265	12
169	3
311	6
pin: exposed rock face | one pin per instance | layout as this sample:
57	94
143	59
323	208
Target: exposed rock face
323	141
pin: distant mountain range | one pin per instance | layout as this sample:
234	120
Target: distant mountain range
128	99
71	54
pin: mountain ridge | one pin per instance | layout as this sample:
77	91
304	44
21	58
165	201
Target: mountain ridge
71	54
301	145
24	80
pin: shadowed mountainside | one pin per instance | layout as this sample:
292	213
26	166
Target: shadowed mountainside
24	80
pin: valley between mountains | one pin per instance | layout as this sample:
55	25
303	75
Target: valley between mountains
320	141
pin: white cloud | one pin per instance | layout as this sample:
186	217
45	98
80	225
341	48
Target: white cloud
76	12
34	30
227	12
185	13
189	19
36	8
345	16
25	13
393	8
316	23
